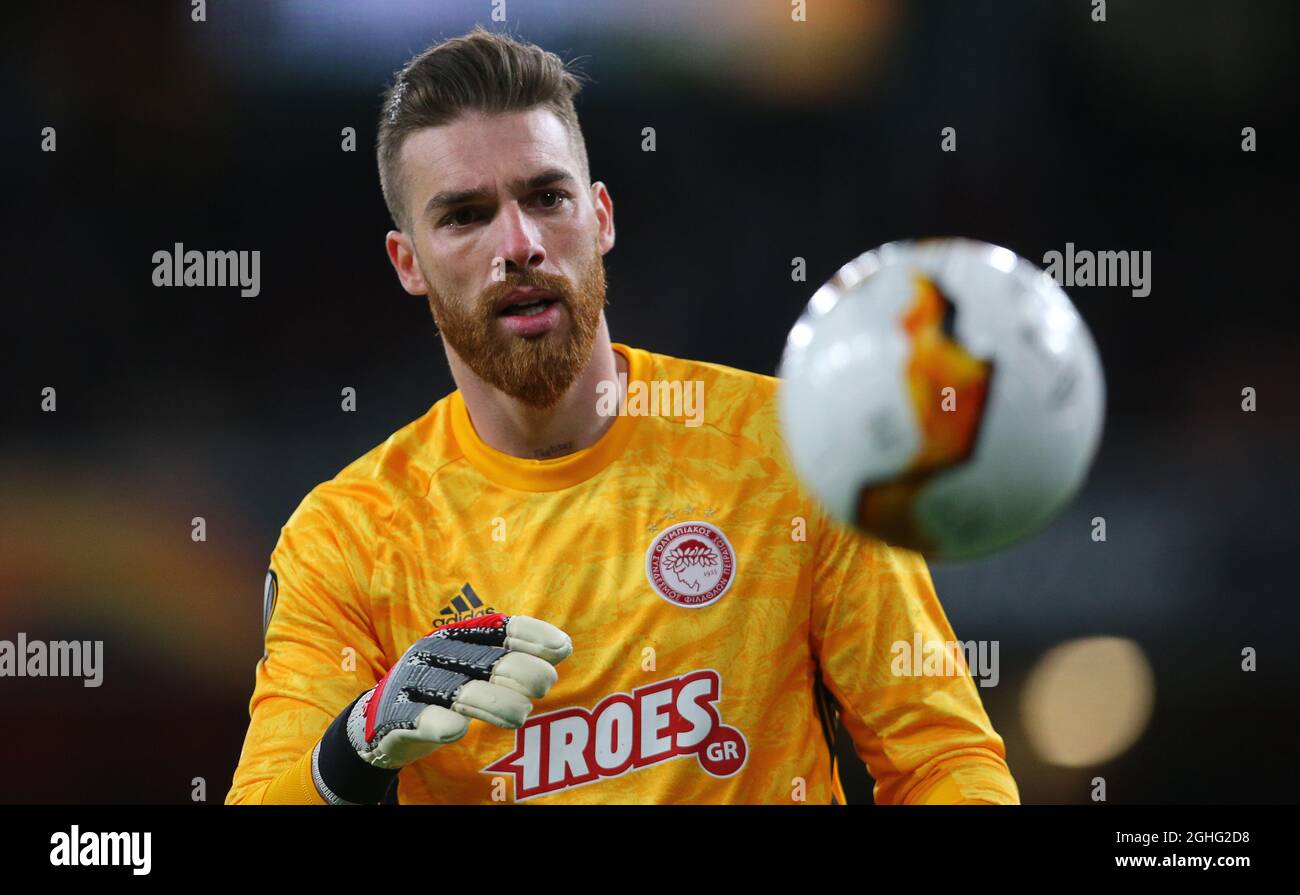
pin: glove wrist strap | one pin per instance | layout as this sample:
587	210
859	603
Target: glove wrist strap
342	776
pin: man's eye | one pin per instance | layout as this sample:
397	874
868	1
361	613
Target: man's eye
460	217
549	199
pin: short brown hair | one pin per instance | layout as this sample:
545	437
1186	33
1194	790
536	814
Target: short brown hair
481	71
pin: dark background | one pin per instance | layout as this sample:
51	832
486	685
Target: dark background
775	139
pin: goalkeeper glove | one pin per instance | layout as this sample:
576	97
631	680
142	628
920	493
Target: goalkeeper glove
486	668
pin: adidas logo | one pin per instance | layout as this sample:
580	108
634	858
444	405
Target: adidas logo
465	604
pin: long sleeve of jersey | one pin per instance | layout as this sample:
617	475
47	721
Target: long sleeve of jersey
925	739
321	652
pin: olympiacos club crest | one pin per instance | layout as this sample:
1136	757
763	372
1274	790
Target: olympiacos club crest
691	564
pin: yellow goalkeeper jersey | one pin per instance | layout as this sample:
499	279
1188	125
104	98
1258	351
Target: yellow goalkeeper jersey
720	621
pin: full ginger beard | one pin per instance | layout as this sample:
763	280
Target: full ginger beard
536	371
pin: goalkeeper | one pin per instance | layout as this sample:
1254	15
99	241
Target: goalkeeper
720	626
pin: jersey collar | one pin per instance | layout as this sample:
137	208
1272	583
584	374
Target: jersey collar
547	475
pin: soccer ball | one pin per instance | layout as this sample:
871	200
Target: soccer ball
943	396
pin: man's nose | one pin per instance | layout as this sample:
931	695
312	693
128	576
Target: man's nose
520	244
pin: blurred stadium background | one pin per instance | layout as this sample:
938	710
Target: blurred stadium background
775	140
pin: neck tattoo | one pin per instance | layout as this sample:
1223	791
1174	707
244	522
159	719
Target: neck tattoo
553	450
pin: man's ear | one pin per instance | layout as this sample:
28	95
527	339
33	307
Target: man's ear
604	215
402	256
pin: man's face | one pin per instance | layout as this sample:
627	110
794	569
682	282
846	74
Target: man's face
507	239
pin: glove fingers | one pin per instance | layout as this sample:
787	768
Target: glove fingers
525	674
472	659
435	726
538	638
439	725
495	705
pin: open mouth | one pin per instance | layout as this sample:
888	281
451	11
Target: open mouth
527	308
526	302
